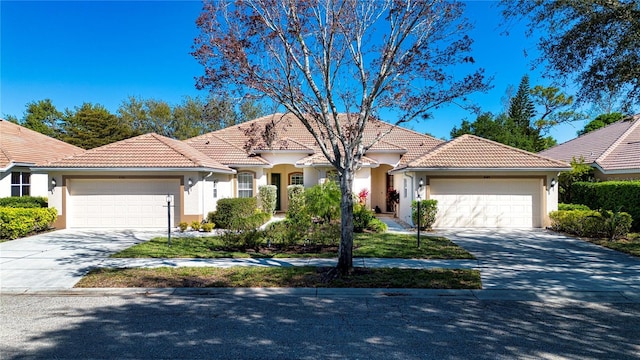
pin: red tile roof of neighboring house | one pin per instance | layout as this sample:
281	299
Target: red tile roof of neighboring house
613	147
144	151
473	152
21	145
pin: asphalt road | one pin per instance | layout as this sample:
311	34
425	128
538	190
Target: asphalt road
268	326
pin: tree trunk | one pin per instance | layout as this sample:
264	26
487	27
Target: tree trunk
345	252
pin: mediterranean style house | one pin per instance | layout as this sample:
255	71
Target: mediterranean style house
127	184
20	149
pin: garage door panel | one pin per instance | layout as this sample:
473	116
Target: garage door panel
487	202
121	203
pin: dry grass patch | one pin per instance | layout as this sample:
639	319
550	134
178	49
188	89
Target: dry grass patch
281	277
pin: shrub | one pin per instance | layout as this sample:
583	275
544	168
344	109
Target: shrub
610	195
24	202
183	226
579	172
591	223
19	222
287	232
377	226
267	198
230	210
207	227
195	225
428	212
362	217
326	234
572	207
323	201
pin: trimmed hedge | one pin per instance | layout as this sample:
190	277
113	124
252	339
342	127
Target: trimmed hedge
268	197
19	222
24	202
428	212
562	206
238	214
591	223
610	195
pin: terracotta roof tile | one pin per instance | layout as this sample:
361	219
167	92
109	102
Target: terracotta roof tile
473	152
614	147
293	135
224	151
144	151
21	145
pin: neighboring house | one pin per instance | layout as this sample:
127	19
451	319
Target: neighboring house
22	148
613	151
477	182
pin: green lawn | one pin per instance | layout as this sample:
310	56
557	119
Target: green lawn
387	245
281	277
630	245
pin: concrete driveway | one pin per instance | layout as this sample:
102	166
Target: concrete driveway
541	260
58	259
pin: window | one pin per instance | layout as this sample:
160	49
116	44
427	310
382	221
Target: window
215	189
245	185
20	184
296	179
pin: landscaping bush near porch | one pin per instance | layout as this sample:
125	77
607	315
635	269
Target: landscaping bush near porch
591	223
238	214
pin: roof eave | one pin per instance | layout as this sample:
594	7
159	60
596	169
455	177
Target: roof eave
140	169
405	169
14	164
615	171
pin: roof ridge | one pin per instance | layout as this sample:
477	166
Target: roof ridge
635	123
434	151
171	143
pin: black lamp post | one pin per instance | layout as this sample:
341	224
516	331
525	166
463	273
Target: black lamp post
420	183
169	219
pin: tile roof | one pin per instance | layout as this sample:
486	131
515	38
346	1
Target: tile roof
291	134
473	152
224	151
21	145
144	151
613	147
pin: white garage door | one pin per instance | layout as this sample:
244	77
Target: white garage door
120	203
508	203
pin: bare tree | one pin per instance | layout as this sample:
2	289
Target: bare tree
338	64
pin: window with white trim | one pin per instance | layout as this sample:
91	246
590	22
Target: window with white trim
245	185
296	178
215	189
20	183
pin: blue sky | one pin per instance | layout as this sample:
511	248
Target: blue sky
103	52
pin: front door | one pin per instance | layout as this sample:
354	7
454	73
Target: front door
275	180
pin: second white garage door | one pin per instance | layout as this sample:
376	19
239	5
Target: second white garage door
121	203
508	203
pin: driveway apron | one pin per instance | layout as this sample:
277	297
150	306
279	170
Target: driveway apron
537	259
58	259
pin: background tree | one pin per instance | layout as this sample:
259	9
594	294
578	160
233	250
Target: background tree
147	116
601	121
318	59
557	108
521	108
43	117
593	43
90	126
